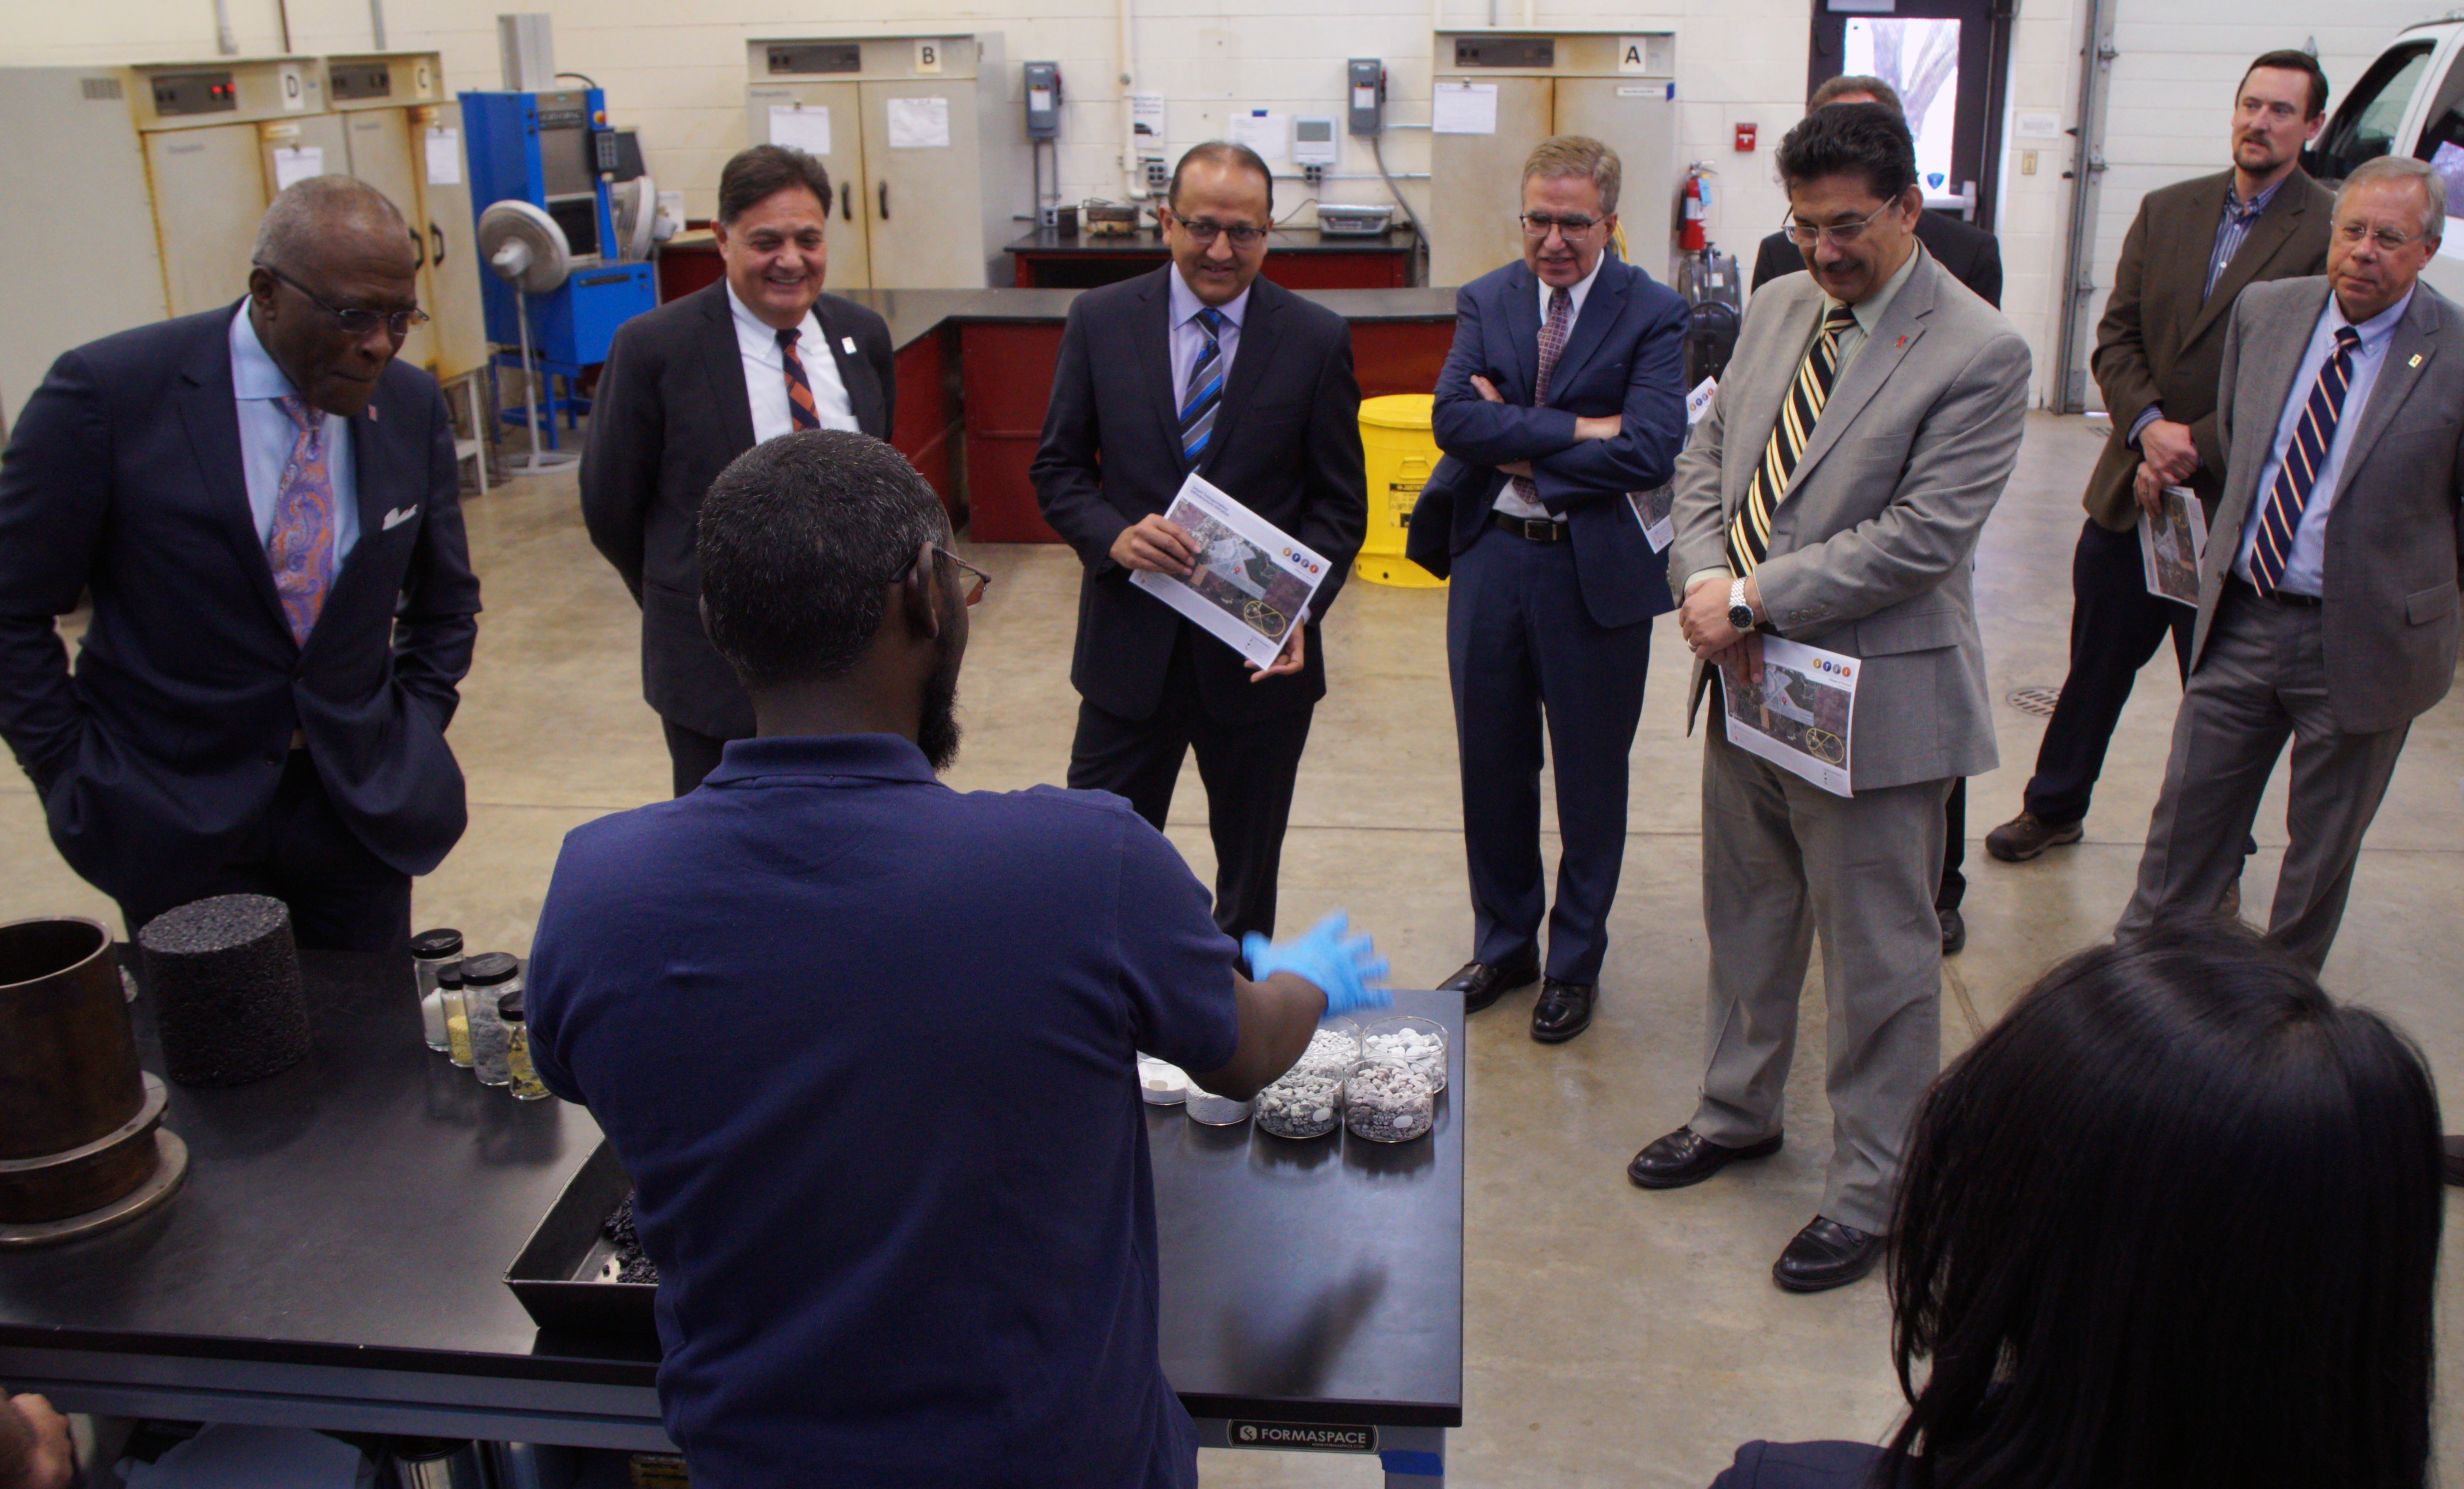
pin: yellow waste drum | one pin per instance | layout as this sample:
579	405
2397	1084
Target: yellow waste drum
1401	452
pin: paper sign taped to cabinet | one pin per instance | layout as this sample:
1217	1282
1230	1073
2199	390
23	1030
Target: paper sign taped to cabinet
805	129
1465	108
919	123
295	164
444	157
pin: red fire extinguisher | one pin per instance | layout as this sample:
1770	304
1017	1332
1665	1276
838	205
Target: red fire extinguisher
1698	198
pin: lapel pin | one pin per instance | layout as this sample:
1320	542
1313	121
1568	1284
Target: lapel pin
2415	361
1904	341
372	407
847	344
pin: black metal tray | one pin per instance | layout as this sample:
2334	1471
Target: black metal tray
556	1276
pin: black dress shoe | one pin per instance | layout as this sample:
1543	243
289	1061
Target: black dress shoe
1954	928
1564	1010
1482	982
1686	1156
2455	1162
1826	1255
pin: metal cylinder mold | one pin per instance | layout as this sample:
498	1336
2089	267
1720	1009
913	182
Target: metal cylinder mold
81	1141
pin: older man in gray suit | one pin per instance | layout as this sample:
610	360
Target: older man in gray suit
2327	601
1832	496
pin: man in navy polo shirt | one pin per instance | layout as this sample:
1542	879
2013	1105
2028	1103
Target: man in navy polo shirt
866	1044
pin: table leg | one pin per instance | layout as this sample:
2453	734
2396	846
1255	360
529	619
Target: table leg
1415	1458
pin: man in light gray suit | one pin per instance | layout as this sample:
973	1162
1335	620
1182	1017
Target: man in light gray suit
2327	601
1832	496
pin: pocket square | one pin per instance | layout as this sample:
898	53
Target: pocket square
399	515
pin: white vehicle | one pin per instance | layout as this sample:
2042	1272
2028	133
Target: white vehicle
2409	102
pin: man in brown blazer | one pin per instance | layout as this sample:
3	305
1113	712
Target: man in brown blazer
2192	250
2328	597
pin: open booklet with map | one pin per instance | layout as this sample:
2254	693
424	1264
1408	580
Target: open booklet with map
1252	580
1798	715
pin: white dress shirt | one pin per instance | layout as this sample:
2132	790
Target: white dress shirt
267	437
1188	338
2304	567
765	374
1508	501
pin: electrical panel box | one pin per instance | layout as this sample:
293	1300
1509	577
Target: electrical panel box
1313	140
1043	100
1367	76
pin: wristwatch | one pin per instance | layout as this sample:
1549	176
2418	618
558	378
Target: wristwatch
1741	615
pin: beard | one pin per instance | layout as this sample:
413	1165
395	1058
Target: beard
936	731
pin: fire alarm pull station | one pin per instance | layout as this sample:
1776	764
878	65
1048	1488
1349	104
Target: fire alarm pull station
1745	139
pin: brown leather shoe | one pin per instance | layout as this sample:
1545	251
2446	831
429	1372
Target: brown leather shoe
2028	834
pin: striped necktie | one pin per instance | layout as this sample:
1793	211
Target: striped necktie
1553	340
1750	530
1206	388
800	389
301	546
2299	471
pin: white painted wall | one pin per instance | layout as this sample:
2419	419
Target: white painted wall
675	69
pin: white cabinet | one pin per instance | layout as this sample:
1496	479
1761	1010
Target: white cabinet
924	146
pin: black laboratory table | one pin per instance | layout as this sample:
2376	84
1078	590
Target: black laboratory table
335	1260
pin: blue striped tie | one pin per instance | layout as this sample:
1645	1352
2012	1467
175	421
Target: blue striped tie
2299	471
1206	388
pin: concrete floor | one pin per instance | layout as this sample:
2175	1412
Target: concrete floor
1611	1336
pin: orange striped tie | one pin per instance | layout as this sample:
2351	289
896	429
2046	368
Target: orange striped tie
800	390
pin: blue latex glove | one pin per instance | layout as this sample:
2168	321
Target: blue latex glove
1340	966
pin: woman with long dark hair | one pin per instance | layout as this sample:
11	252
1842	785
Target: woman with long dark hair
2173	1224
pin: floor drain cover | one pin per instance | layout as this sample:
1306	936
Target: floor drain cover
2037	700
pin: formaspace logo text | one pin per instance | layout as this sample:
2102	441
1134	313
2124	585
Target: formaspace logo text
1305	1436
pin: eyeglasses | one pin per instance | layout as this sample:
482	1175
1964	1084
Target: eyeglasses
1806	235
977	581
1242	235
354	320
2388	239
1538	225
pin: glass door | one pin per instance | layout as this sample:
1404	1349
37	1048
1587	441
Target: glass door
1948	60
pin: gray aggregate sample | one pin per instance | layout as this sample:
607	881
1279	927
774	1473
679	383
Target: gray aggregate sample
224	974
1304	1102
1389	1103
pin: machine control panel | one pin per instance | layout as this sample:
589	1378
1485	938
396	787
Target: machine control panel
349	81
1506	51
787	58
178	94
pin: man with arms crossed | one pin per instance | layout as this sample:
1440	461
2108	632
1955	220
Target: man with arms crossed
867	1046
1832	496
1200	366
2190	252
1564	390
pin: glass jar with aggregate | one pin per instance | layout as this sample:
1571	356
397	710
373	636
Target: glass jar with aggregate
487	978
1417	1042
1388	1102
431	953
1307	1101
